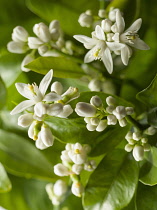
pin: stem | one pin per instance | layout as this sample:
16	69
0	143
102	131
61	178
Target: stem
102	4
134	122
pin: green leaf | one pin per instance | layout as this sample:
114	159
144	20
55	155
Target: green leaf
26	194
150	169
3	93
152	117
148	95
5	184
20	157
113	184
63	67
64	11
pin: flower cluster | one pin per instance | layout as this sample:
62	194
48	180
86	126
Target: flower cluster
97	117
41	105
49	41
110	36
74	160
57	191
138	142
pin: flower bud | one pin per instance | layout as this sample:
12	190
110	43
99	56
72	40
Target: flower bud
102	13
40	109
49	190
85	20
110	101
65	157
67	110
61	170
110	109
69	146
57	87
96	101
19	34
54	25
101	126
60	188
114	29
129	147
91	127
46	136
94	121
128	136
77	168
147	147
85	109
111	120
94	85
138	152
87	120
123	122
110	37
34	43
119	112
112	14
77	189
150	131
137	135
17	47
42	31
27	59
25	120
42	50
55	109
144	140
106	25
90	165
129	110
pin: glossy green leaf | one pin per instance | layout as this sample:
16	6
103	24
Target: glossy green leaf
20	157
148	95
113	184
5	184
152	117
3	93
64	11
149	176
63	67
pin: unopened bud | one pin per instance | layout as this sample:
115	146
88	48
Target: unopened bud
85	109
102	13
55	109
57	87
46	136
96	101
77	189
17	47
129	110
60	188
19	34
70	94
110	109
61	170
138	152
147	147
106	25
137	135
101	126
94	121
42	31
119	112
94	85
110	101
85	20
112	14
25	120
123	122
77	168
27	59
90	165
129	147
34	42
42	49
39	143
150	131
67	110
111	120
40	109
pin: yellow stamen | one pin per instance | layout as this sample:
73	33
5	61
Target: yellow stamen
77	151
96	54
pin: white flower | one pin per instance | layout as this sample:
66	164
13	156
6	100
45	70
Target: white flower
67	110
85	20
17	47
77	168
119	112
99	48
20	34
65	157
34	93
96	101
60	188
42	31
61	170
77	189
46	135
78	154
128	37
39	143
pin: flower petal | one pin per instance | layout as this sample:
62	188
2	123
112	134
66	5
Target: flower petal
120	22
52	97
45	82
99	33
83	39
139	44
135	26
22	106
115	46
89	57
21	89
107	60
125	55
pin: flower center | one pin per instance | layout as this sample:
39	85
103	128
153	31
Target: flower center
130	36
77	151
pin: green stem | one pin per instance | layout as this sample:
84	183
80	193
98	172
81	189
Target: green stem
102	4
134	123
